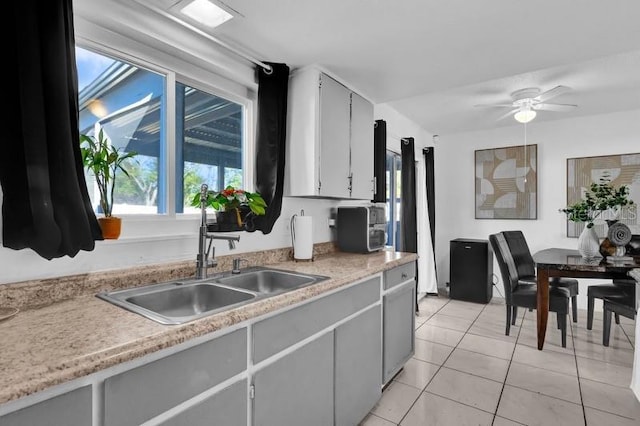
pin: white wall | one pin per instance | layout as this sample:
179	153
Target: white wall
399	126
558	140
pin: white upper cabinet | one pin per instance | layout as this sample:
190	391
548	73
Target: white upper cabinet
362	185
329	139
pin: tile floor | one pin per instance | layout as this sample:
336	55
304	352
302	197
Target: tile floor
465	371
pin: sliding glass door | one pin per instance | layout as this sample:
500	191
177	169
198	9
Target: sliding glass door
394	174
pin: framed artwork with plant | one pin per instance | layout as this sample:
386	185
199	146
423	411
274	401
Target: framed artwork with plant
601	189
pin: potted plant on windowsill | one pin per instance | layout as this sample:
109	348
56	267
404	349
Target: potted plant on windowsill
601	197
232	207
103	160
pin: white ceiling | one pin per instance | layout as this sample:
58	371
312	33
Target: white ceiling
433	60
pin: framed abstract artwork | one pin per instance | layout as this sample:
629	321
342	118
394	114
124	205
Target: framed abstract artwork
622	169
506	182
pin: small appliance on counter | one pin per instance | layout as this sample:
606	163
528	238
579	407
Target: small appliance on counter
361	229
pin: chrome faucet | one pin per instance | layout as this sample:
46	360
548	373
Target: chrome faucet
203	263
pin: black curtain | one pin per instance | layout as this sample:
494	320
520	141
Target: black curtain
430	183
270	143
408	199
46	205
408	222
380	161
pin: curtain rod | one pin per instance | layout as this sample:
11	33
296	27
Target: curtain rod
267	68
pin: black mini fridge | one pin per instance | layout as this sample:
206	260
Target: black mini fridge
470	270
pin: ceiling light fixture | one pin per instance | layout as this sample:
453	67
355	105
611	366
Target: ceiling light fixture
525	115
206	13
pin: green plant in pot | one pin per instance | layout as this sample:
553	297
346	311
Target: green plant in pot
600	197
232	206
103	160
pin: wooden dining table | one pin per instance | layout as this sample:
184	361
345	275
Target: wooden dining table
558	262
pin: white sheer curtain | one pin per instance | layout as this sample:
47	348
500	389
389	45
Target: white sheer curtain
426	265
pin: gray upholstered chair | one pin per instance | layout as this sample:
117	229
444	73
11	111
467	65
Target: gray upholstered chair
524	294
527	268
619	305
618	288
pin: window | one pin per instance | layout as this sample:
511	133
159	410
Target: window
208	144
394	200
129	103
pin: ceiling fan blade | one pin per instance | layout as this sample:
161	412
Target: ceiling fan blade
558	90
510	113
554	107
494	105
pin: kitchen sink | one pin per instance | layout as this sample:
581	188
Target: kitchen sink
184	301
269	281
178	302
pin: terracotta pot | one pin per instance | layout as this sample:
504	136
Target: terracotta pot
110	227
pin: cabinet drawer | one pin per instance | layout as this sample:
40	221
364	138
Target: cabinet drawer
137	395
70	409
274	334
399	274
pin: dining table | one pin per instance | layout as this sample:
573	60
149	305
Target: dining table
560	262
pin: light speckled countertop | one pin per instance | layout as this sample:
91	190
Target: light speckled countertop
48	345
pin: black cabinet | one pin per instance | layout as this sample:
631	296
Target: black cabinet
470	270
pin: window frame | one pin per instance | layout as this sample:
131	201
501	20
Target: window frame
214	85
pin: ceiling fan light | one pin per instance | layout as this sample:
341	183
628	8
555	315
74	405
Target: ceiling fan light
525	115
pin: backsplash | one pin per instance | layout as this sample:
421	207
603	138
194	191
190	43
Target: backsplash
38	293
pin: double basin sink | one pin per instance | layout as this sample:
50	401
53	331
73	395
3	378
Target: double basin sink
183	301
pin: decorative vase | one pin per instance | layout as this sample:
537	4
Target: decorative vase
620	235
110	227
588	243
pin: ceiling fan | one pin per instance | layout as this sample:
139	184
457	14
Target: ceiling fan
525	103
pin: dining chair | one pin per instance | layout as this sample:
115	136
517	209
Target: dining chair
524	294
617	288
619	305
527	268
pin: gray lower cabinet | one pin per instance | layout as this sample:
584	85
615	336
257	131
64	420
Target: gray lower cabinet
358	357
69	409
137	395
334	379
297	389
398	328
225	408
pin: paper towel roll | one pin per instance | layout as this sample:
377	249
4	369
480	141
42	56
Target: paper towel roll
302	234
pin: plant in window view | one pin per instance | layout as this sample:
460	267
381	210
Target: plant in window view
103	160
601	196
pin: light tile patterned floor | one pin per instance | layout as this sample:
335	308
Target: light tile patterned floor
465	371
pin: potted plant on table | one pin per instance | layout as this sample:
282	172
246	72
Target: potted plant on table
232	207
599	198
103	160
